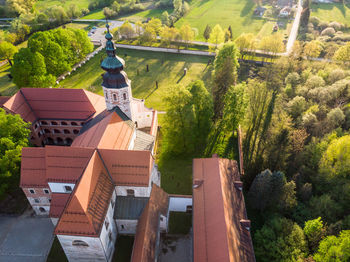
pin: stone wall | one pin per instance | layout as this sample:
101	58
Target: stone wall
39	198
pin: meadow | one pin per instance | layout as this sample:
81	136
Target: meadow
332	12
235	13
43	4
166	69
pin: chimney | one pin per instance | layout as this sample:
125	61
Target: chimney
197	183
245	223
238	185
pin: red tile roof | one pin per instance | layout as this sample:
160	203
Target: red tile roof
148	226
54	103
87	207
58	202
109	133
218	208
3	99
33	169
128	168
66	164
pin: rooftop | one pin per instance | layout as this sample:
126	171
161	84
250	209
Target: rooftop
58	202
129	207
218	210
54	103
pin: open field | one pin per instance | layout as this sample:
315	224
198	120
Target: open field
43	4
332	12
237	13
167	69
7	88
96	14
141	16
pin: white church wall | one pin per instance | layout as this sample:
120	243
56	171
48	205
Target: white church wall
92	252
132	141
126	226
179	203
61	187
138	191
118	97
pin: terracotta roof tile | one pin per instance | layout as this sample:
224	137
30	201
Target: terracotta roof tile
33	170
66	164
132	168
87	207
58	202
111	132
3	100
145	242
55	103
218	208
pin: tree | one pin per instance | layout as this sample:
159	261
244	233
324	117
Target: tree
280	239
148	35
29	70
21	6
155	24
225	64
230	30
207	32
217	36
313	48
245	43
335	118
187	34
314	231
272	191
343	53
20	29
168	35
109	12
272	44
177	7
235	103
227	35
305	14
57	15
14	133
334	248
165	18
7	51
73	11
116	7
138	28
126	30
335	161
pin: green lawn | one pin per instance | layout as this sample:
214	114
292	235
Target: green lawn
332	12
167	69
141	16
7	88
96	14
237	13
180	223
43	4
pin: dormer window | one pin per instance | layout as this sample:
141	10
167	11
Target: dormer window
114	97
68	189
124	96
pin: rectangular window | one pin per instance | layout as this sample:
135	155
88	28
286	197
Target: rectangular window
68	188
32	191
130	192
110	235
36	200
106	224
46	191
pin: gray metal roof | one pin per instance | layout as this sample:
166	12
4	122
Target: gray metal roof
129	207
143	141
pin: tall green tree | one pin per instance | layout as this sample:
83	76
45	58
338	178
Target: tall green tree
29	70
314	231
217	36
7	51
14	133
207	32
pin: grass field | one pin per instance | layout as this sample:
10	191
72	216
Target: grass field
237	13
332	12
96	14
141	16
7	88
166	69
43	4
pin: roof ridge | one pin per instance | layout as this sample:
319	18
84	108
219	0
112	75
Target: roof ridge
105	166
26	101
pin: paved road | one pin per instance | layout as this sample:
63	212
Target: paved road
25	238
294	32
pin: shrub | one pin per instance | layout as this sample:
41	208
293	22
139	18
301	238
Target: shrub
337	26
315	21
328	31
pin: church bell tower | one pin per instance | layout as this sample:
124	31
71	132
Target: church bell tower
116	85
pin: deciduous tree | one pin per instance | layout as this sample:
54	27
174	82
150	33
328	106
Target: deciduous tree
217	36
7	51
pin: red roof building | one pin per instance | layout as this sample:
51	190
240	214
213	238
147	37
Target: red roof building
221	230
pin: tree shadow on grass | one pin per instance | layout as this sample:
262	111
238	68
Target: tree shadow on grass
247	8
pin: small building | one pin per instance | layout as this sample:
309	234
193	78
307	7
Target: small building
221	229
285	11
259	11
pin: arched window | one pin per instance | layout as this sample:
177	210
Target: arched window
59	141
69	141
42	209
106	95
73	123
66	131
80	243
124	96
56	131
47	131
114	97
130	192
50	141
64	123
43	123
75	131
54	123
35	126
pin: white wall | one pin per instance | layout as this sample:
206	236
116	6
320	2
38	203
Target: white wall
39	212
132	142
155	175
141	114
59	187
108	244
139	191
129	226
94	252
124	105
54	220
179	204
